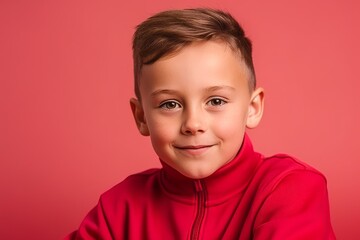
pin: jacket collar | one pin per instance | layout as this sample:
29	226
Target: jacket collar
227	181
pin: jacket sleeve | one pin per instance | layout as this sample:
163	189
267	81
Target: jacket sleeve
94	226
296	209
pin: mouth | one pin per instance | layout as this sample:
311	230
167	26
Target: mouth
193	149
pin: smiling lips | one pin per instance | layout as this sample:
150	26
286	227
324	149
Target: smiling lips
194	150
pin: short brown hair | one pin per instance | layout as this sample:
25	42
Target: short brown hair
169	31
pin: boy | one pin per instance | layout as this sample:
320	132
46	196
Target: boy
195	96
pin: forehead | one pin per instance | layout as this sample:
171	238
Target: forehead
209	61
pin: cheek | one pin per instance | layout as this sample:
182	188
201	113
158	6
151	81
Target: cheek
162	137
162	130
231	125
230	131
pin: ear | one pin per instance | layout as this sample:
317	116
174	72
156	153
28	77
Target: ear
139	116
256	108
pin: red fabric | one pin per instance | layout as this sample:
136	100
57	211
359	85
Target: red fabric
251	197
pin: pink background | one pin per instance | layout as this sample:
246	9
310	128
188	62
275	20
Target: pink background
66	130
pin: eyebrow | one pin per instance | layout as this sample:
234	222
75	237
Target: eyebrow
164	91
217	88
208	89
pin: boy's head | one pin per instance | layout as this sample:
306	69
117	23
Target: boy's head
195	87
168	32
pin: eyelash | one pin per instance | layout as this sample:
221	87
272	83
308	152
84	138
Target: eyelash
165	105
214	102
219	100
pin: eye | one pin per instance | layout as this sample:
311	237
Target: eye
170	105
216	102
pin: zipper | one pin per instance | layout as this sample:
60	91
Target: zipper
200	214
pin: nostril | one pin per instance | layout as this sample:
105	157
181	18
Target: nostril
192	131
193	123
189	132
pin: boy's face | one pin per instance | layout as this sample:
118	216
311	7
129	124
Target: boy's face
195	106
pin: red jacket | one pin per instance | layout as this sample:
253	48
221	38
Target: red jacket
251	197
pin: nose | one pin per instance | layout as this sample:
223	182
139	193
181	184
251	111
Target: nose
194	122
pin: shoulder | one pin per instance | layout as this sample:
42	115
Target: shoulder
291	194
132	186
282	167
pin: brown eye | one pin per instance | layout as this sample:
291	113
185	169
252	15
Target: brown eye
216	102
170	105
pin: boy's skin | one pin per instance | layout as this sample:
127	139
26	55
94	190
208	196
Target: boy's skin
195	106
